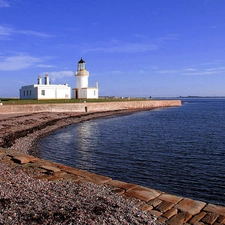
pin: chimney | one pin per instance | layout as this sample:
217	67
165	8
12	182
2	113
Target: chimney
46	79
96	84
39	80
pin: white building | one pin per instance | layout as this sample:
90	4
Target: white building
45	91
82	91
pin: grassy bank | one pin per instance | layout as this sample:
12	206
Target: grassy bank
16	101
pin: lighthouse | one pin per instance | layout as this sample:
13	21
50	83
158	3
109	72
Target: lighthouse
81	78
82	91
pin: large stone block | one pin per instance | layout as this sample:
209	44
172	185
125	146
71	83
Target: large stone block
210	218
97	179
169	214
122	185
190	206
197	218
165	206
24	159
180	218
170	198
216	209
143	193
50	168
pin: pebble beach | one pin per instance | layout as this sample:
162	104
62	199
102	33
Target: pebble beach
27	200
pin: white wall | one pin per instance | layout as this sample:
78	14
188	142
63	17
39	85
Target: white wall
82	79
54	92
45	92
81	82
92	93
28	92
83	93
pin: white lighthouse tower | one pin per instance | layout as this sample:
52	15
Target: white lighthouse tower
81	78
82	91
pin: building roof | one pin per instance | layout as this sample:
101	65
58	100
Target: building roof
81	60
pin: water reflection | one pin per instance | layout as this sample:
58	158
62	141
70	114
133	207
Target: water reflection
176	150
65	137
83	142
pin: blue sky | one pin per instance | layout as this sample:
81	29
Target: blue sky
159	48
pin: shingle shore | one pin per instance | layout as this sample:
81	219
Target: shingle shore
36	191
167	208
31	193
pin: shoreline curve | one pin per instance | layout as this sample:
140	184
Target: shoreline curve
19	131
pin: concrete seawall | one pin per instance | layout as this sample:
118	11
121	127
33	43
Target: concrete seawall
90	107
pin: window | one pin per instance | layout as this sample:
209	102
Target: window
30	92
24	93
94	92
42	92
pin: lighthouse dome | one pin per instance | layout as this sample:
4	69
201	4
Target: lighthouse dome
81	61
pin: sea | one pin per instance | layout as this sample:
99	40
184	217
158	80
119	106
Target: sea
178	150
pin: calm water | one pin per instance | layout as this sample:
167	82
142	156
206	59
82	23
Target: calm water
178	150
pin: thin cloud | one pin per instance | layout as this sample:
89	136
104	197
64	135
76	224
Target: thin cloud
34	33
216	69
206	71
140	36
213	63
142	45
5	32
166	71
3	4
8	31
142	72
18	62
201	73
45	66
116	72
197	71
190	69
59	74
168	37
124	48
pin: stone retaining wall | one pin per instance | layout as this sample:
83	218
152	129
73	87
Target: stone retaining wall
167	208
88	107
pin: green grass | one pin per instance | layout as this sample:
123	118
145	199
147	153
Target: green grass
15	101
